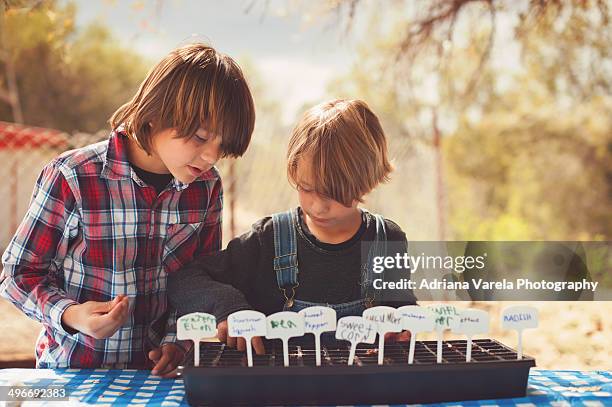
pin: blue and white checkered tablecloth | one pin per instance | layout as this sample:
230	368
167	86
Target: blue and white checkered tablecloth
558	388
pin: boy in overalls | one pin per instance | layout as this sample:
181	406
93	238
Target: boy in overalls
311	255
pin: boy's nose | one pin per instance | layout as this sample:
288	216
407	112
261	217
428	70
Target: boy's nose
318	207
211	154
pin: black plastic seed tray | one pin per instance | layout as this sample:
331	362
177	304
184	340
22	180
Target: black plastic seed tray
224	378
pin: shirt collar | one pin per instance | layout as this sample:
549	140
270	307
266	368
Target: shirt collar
116	165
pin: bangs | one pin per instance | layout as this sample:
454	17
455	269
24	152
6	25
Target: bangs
342	148
333	168
193	87
215	99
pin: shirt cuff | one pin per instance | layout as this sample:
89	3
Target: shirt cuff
184	345
55	316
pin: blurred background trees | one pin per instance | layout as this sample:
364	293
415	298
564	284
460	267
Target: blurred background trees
65	78
498	112
520	95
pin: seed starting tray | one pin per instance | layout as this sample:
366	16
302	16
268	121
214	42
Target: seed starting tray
224	377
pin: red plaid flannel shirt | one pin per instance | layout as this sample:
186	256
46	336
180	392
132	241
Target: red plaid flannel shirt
93	231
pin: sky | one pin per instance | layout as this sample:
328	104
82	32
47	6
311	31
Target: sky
295	51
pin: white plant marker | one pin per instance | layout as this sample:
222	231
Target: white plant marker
247	324
196	326
472	322
317	320
520	317
386	320
415	319
445	317
355	330
284	325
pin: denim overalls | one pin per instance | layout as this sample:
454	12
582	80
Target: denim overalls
286	265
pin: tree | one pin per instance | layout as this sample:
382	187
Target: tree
528	150
537	164
430	28
64	78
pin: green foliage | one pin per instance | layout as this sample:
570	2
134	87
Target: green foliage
68	78
535	171
538	163
527	154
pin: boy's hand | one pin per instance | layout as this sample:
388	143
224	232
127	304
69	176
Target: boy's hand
97	319
231	341
166	360
403	336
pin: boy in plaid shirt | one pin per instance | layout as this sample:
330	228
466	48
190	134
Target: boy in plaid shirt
109	222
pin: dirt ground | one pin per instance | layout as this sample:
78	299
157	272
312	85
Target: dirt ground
574	336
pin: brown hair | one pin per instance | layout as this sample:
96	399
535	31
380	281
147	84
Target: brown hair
194	86
347	148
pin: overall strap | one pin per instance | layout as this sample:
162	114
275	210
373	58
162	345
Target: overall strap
285	253
377	248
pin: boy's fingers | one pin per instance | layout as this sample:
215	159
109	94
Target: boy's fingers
108	306
118	313
166	364
102	307
397	336
170	375
107	324
241	344
155	354
231	341
125	310
171	357
161	366
222	332
404	336
125	302
258	345
116	300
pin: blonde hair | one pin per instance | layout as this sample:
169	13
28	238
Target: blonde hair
194	86
347	148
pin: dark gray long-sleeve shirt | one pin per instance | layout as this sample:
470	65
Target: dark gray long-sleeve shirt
242	276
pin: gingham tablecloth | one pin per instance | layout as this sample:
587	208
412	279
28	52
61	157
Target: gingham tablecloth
138	387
